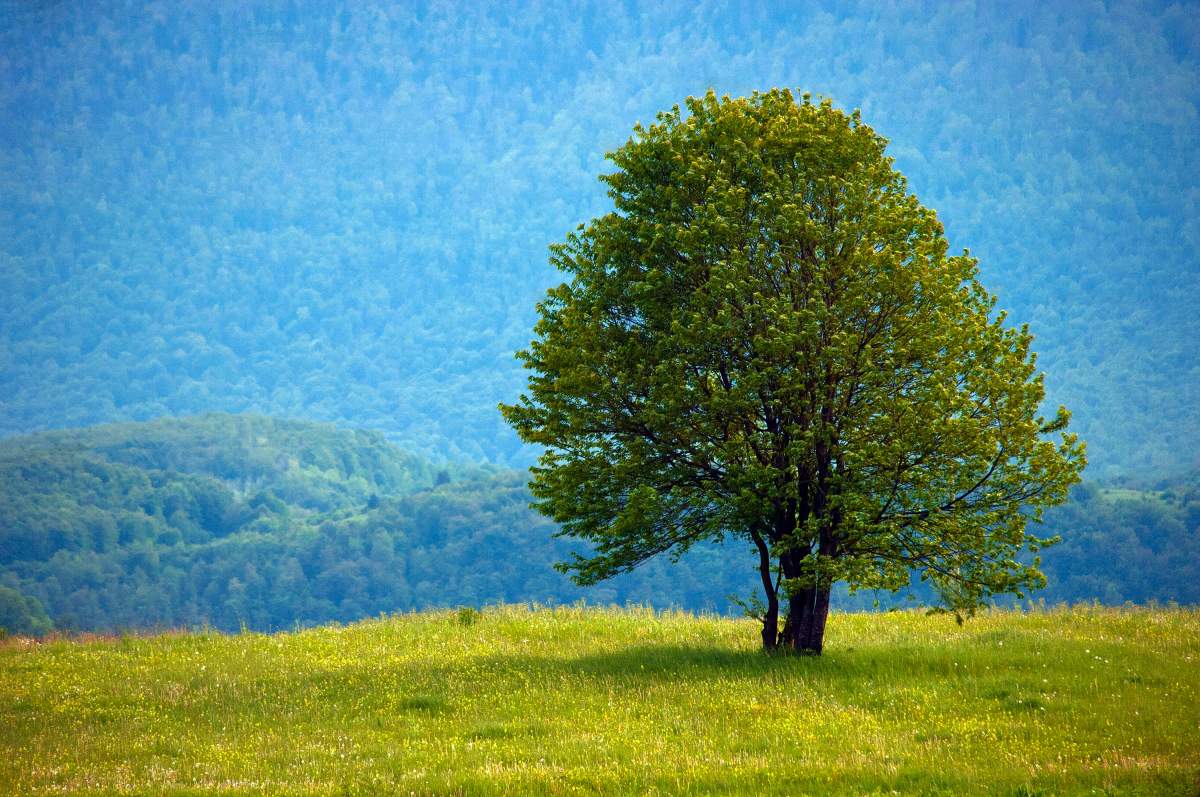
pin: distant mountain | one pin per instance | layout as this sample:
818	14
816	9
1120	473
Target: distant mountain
242	520
340	211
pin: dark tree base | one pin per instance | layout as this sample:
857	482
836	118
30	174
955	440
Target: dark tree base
804	628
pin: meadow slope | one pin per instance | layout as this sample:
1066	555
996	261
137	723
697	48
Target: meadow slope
585	701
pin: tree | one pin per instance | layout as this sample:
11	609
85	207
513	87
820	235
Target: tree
766	340
21	614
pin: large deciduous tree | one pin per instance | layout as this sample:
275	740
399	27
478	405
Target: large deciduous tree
766	339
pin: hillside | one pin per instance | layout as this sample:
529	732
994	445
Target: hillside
340	211
251	521
575	701
235	521
316	466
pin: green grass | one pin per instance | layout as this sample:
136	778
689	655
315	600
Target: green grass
575	701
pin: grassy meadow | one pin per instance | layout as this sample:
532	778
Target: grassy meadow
586	701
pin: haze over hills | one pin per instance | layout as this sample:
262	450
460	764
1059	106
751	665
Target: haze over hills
341	211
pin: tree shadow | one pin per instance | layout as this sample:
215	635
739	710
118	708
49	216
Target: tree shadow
654	664
631	667
425	684
664	661
837	667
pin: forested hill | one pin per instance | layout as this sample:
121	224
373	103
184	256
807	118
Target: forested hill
340	211
232	520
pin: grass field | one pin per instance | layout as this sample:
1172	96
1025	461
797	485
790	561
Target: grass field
586	701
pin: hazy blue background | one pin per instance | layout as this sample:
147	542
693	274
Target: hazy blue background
341	211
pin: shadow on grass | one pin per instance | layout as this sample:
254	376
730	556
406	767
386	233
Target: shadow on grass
651	664
671	661
427	686
432	684
654	663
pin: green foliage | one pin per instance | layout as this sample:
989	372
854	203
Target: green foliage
316	466
570	700
1126	544
184	481
234	520
23	615
766	340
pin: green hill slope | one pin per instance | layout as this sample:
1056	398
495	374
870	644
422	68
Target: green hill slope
249	521
577	701
236	521
318	466
191	480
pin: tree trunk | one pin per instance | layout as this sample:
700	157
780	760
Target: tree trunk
804	629
770	627
770	619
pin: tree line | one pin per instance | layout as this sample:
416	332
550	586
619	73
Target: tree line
235	521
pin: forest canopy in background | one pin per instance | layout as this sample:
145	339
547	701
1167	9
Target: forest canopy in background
340	211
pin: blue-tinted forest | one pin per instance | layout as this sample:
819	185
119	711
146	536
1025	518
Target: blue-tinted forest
340	212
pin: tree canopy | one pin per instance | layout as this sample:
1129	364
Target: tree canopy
767	340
